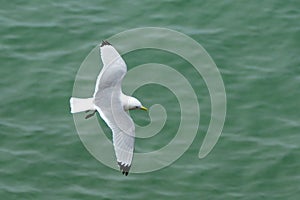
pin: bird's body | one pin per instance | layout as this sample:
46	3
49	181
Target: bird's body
112	105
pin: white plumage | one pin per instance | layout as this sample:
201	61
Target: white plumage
112	105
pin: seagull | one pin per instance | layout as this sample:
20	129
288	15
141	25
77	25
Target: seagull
112	105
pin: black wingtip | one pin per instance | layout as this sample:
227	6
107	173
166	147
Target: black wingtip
104	42
124	168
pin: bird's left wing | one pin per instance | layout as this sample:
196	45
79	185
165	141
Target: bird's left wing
113	70
107	100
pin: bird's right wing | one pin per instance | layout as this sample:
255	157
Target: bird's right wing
110	108
107	100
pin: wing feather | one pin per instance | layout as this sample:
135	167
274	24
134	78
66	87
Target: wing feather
107	100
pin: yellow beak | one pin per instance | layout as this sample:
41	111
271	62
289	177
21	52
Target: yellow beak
143	108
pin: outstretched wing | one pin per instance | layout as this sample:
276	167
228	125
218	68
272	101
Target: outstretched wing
113	70
107	99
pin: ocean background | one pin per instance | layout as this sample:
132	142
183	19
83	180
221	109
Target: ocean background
256	46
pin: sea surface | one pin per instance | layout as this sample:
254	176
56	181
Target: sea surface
256	46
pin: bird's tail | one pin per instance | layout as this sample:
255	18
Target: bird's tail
80	105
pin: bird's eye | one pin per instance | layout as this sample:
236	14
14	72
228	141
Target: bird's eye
136	107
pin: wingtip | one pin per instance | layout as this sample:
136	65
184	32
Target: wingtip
124	168
104	42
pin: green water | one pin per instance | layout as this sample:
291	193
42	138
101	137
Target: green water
255	45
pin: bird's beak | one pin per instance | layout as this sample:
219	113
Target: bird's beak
143	108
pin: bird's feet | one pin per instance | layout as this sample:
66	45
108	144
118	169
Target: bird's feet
91	114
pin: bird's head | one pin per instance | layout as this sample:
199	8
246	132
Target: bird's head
134	104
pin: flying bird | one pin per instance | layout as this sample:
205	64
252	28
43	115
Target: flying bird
112	105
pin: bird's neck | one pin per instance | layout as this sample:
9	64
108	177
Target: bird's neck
125	101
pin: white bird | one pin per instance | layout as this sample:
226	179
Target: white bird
112	105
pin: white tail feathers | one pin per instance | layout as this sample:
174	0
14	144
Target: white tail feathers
80	105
